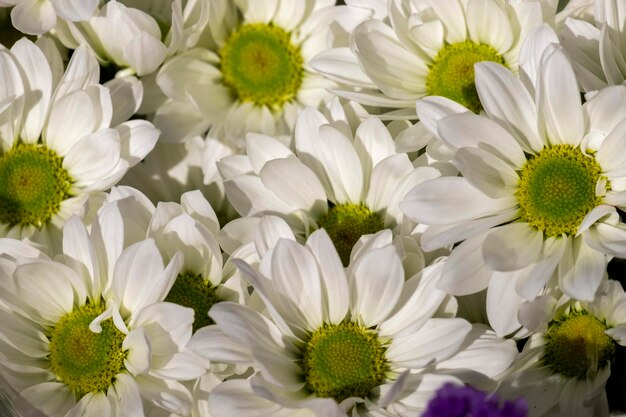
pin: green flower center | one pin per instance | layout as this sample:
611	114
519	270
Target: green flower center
577	347
451	74
194	292
81	359
343	360
557	189
346	223
261	65
33	183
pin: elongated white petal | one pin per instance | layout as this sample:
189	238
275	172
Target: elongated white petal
335	283
488	24
450	200
561	119
512	246
509	103
377	285
296	277
436	341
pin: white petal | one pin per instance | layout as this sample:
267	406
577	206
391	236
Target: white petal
39	76
53	398
488	24
126	96
49	288
33	17
82	71
512	246
333	276
296	185
507	101
94	158
262	149
377	285
470	130
487	172
465	272
72	118
559	108
251	329
436	341
75	10
137	139
611	154
503	303
482	352
450	200
139	355
145	53
296	276
419	302
581	270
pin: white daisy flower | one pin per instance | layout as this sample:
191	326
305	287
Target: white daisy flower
598	51
88	333
251	72
36	17
62	140
350	185
430	47
336	341
541	182
565	365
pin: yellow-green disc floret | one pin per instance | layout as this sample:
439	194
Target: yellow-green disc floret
451	74
194	292
346	223
81	359
33	184
261	65
557	189
577	347
343	360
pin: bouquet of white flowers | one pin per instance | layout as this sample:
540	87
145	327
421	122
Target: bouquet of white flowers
312	208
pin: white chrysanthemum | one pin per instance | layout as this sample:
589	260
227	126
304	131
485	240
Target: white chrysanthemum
565	365
88	333
430	49
541	182
36	17
351	185
335	340
251	73
598	51
62	139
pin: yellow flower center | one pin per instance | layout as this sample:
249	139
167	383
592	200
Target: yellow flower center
577	347
81	359
343	360
557	189
33	183
261	65
194	292
346	223
451	74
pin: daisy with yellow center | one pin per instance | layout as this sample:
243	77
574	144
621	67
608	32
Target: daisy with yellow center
429	48
250	72
348	184
566	363
541	183
89	333
62	144
335	341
